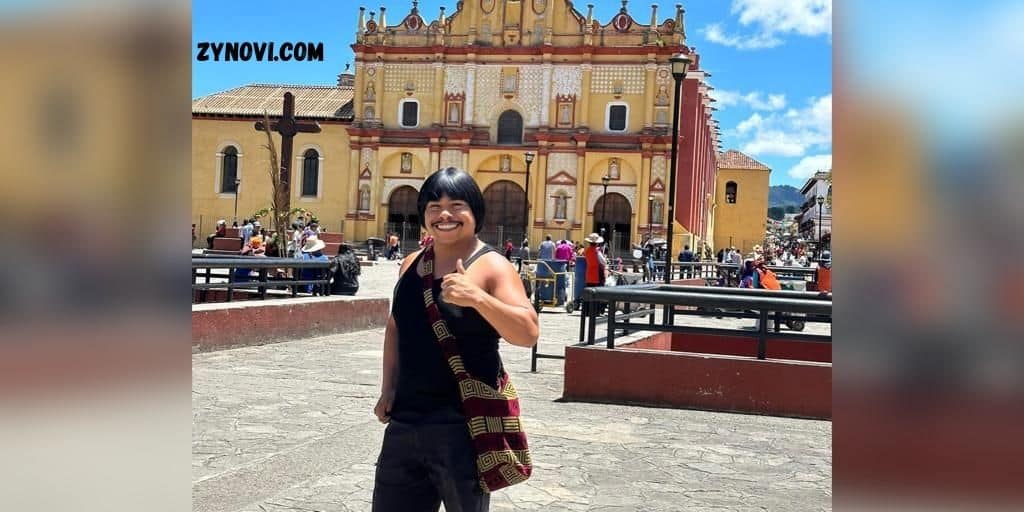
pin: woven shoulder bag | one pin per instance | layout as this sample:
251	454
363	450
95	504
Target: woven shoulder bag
502	456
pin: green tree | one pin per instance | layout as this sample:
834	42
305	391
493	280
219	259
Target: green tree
776	213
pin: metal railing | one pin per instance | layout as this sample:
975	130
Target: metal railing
764	305
708	301
203	266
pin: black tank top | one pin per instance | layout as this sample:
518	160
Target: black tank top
426	390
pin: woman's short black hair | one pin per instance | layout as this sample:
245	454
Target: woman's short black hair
457	185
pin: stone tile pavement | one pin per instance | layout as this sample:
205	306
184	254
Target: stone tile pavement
289	426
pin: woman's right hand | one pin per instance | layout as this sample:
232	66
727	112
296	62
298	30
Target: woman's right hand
383	407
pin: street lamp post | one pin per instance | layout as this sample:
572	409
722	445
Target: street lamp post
238	183
650	217
604	203
526	219
679	63
821	201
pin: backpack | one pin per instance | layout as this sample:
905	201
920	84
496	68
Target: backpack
344	274
769	280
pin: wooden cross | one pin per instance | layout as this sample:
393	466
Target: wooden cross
287	126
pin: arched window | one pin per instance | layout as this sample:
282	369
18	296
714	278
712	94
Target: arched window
310	173
409	113
617	118
229	171
730	192
364	198
510	128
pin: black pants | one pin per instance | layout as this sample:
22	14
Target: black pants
421	465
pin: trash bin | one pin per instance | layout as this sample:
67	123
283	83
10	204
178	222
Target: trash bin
545	291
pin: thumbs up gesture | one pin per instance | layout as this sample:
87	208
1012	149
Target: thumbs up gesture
458	289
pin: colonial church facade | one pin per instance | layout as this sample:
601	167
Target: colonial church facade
563	120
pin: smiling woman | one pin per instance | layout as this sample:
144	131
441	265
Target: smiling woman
443	378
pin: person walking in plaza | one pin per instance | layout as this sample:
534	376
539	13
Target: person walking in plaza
428	455
546	251
392	246
596	267
564	252
245	232
508	249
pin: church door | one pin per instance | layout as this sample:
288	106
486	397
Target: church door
614	216
505	214
403	217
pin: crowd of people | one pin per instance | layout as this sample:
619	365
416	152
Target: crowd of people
305	244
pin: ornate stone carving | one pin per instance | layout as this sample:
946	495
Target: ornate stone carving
663	76
487	93
566	80
658	168
451	158
366	160
531	81
454	79
398	76
390	184
562	162
629	78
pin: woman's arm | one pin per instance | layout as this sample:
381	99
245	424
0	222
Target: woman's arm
505	307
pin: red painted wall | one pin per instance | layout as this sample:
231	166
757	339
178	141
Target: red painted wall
775	348
699	381
216	326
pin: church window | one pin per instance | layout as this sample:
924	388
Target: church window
229	170
730	192
617	116
510	128
310	173
409	113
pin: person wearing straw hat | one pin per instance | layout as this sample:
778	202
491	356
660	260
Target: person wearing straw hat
596	266
313	249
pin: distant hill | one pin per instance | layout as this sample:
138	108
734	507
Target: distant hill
782	195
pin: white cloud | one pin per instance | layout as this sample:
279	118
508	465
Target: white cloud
715	34
809	165
749	123
774	142
804	17
788	134
772	18
757	100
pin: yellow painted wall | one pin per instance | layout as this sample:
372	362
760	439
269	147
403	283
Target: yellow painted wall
743	221
209	136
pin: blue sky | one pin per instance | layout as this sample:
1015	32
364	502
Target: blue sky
770	60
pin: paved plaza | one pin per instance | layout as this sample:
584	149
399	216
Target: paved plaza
290	427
